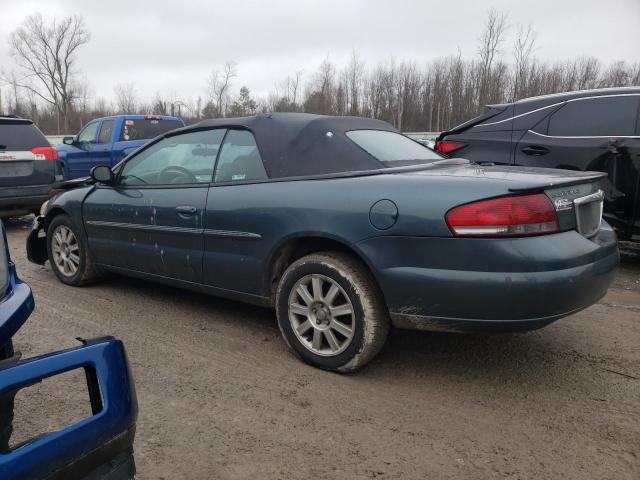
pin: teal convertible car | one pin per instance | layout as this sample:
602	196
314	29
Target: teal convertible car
342	224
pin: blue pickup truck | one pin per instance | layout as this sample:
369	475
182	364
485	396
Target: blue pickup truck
107	140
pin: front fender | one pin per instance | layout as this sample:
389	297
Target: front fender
68	202
64	163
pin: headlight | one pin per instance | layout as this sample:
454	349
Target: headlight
43	207
4	262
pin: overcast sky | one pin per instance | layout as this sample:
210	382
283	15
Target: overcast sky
170	46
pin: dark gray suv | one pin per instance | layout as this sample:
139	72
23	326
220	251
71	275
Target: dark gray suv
584	130
28	167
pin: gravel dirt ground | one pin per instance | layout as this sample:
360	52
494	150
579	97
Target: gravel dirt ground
221	397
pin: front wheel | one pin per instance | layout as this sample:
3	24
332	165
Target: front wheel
330	312
68	252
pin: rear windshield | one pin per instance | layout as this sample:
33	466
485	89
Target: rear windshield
392	149
147	128
20	137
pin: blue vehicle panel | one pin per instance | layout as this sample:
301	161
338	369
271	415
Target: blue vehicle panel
16	299
90	443
100	445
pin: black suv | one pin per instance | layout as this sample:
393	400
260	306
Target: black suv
28	167
585	130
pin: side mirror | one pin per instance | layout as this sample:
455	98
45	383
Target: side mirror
69	140
102	174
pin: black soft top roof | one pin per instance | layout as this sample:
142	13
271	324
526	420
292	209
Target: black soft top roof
299	144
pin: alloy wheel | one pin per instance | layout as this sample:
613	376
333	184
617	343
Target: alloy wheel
66	251
321	315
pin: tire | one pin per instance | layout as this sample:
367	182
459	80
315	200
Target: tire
80	269
318	327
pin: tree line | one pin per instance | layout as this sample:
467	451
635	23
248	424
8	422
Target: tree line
47	85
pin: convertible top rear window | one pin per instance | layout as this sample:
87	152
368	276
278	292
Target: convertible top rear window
391	148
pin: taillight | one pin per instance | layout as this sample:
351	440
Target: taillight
45	153
521	215
448	146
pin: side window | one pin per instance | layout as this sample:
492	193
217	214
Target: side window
106	131
239	159
595	117
179	159
88	134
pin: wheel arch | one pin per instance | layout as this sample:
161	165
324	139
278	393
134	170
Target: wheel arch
52	213
296	246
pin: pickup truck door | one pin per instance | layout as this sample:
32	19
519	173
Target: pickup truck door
152	219
101	150
78	162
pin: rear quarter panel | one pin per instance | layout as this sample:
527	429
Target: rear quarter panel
273	213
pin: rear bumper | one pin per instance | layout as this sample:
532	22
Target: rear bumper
514	284
99	446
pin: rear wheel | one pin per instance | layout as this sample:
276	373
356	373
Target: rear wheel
330	312
68	253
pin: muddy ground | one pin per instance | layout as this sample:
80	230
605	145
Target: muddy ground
221	397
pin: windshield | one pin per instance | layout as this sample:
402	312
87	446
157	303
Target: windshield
392	149
4	263
147	128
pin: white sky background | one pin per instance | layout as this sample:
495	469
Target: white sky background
170	46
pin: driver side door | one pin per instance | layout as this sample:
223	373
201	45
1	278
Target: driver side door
152	219
79	154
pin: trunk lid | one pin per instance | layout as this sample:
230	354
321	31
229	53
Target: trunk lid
577	196
515	179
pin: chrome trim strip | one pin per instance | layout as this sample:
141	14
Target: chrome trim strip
518	116
560	103
146	228
181	230
584	136
232	234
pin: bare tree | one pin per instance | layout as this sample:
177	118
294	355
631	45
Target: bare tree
125	97
354	74
490	40
219	85
523	56
46	54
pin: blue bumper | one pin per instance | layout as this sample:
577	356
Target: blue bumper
86	446
15	307
473	284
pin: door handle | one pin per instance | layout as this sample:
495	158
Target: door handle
535	150
186	210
